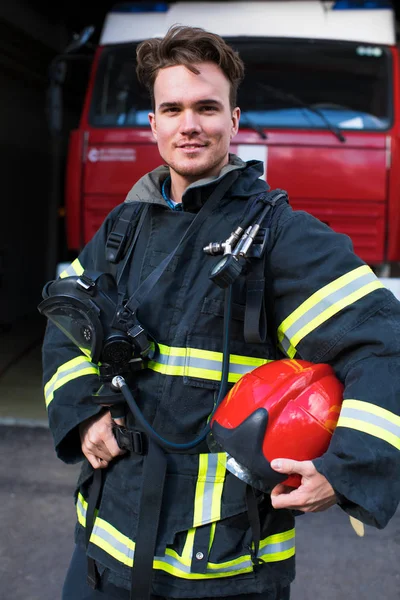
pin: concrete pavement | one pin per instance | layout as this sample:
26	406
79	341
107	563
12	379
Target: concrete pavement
37	521
37	514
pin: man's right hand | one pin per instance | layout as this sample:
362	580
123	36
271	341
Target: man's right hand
98	441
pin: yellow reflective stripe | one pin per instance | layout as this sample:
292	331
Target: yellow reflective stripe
188	547
166	369
371	419
215	512
201	364
77	367
81	508
209	488
171	350
75	268
217	356
320	295
324	304
278	538
121	548
334	309
181	371
200	486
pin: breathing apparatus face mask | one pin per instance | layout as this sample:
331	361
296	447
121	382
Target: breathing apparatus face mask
85	308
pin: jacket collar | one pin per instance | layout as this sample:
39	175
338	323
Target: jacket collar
148	188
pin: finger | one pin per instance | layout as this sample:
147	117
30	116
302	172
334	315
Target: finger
287	500
281	488
102	464
112	446
98	449
96	462
289	466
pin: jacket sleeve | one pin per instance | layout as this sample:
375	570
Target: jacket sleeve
69	376
330	308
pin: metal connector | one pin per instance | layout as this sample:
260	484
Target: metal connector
215	248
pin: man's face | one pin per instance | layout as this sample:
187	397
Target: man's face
193	123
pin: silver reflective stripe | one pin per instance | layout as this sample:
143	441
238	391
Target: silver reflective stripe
367	417
80	365
75	268
209	488
286	346
117	545
62	374
187	362
371	419
277	547
80	507
172	361
325	303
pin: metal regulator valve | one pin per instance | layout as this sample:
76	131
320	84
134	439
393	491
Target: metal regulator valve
231	265
237	247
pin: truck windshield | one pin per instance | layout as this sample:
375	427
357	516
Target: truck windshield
348	83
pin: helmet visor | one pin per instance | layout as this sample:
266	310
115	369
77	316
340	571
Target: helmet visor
240	471
77	321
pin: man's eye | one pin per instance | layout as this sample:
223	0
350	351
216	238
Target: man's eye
209	108
172	109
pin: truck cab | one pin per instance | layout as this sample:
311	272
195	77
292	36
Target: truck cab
320	108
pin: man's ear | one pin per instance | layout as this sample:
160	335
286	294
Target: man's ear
235	121
152	121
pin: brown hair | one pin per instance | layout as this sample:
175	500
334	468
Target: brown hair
183	45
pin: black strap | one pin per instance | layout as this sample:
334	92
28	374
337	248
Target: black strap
93	498
123	274
155	467
201	545
255	316
254	520
147	285
121	231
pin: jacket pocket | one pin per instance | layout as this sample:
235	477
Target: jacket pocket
204	360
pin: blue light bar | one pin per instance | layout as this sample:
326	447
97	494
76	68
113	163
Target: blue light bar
362	4
140	7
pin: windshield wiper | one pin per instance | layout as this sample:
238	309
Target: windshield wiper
299	102
251	125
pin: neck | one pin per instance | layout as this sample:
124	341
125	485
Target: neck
180	183
178	187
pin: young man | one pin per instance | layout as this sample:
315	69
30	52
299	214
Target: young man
325	306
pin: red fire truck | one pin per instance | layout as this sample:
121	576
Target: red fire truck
320	106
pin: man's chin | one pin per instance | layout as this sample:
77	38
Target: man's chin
191	170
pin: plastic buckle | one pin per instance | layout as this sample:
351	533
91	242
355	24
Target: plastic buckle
130	439
114	246
85	283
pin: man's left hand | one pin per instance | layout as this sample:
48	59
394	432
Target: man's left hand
314	494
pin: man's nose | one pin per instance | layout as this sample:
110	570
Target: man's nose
190	122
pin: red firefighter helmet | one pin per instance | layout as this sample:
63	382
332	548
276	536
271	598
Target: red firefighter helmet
284	409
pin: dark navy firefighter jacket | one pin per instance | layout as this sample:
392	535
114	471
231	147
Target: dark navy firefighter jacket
326	305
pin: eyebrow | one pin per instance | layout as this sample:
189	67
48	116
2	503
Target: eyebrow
208	101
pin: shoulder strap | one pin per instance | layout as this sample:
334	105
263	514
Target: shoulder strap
255	317
119	235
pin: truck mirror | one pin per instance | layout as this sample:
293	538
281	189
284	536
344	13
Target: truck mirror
80	39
